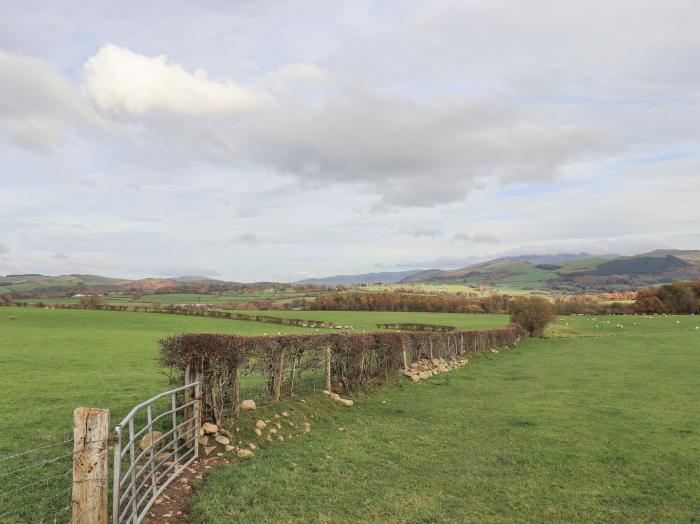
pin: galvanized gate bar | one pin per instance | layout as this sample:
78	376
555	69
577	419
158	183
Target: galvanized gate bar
151	471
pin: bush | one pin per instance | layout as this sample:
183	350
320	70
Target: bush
532	313
90	301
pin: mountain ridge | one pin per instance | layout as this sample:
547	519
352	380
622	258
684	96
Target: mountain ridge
560	273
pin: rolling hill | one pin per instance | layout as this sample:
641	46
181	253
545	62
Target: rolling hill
386	277
567	274
563	273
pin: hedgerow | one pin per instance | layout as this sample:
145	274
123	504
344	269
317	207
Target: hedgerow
404	326
282	360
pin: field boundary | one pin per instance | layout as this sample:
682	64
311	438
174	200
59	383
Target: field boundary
197	311
284	364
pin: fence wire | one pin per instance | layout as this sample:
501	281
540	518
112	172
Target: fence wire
36	484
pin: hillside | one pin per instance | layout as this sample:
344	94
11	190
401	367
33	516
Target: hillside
78	283
387	277
562	273
574	274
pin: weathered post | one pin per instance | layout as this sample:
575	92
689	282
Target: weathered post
279	378
90	466
236	401
193	412
328	369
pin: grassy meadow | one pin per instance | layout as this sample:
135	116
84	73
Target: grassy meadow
368	320
592	424
60	359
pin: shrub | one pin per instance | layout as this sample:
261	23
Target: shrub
532	313
91	301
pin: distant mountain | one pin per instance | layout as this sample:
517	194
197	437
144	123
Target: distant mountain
198	280
387	277
425	275
555	259
562	273
78	283
567	273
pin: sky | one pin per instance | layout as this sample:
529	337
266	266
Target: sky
256	140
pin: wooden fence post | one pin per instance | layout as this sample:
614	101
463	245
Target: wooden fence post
279	377
193	374
237	392
328	369
90	466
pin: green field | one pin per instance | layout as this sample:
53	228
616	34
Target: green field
61	359
368	320
594	424
180	298
53	361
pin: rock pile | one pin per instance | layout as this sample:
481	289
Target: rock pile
426	368
344	401
210	435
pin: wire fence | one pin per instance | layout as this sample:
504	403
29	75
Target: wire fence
36	484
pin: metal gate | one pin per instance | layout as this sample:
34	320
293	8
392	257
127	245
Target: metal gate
154	443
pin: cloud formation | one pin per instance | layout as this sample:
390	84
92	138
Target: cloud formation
409	153
350	136
37	106
119	80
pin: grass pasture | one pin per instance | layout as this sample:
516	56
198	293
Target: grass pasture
368	320
589	425
61	359
53	361
593	423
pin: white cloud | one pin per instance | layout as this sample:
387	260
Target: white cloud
411	153
4	249
122	81
37	106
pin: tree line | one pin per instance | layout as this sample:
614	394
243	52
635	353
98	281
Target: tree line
404	302
678	297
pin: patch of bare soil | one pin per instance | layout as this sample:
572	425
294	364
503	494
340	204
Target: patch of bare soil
171	507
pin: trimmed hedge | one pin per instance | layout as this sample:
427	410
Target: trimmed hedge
197	311
416	327
356	358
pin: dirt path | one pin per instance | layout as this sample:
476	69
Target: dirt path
171	507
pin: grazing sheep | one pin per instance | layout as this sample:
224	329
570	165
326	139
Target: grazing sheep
12	317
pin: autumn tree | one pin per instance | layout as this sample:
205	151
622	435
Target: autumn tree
532	313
